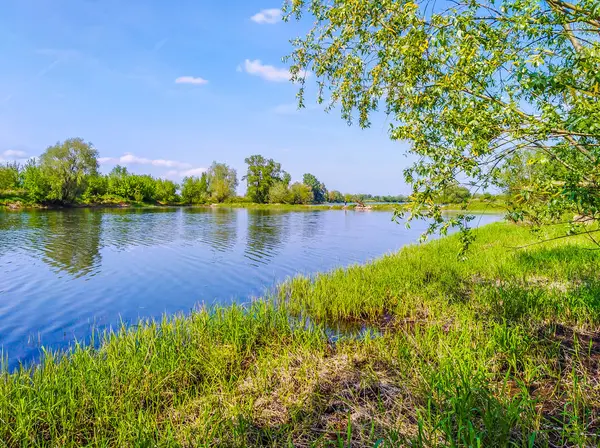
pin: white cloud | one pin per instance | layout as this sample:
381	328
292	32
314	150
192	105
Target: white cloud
267	72
130	159
193	172
175	174
13	154
191	80
267	16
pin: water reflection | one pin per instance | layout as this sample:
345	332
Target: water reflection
267	230
312	225
126	228
70	242
63	271
215	227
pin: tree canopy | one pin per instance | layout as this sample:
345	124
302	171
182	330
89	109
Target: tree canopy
194	190
470	85
318	189
67	173
262	174
66	167
9	176
222	181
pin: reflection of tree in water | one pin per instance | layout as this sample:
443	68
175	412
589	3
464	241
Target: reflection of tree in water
69	240
125	228
13	230
267	230
312	224
215	227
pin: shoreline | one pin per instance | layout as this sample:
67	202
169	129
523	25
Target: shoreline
478	208
437	349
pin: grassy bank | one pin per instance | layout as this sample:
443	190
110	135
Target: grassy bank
17	200
480	206
501	349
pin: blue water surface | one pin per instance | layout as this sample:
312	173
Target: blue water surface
64	273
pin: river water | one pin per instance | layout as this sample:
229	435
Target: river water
64	273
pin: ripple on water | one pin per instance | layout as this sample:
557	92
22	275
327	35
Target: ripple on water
65	272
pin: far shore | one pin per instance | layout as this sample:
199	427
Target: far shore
21	204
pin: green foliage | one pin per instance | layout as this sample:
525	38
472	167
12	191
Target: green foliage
222	182
318	188
69	171
295	194
66	167
335	196
194	190
97	186
300	194
279	193
165	191
10	176
35	182
122	184
262	174
117	181
453	194
470	86
376	198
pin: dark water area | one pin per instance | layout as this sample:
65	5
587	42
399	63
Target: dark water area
64	273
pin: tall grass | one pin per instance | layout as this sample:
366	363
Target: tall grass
500	350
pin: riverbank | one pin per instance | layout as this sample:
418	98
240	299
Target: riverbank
19	202
22	202
415	347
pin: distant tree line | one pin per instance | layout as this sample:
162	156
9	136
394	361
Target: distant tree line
67	173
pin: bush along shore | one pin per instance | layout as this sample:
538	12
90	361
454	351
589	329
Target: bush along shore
414	349
17	201
67	175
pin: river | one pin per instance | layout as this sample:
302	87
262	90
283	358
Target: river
64	273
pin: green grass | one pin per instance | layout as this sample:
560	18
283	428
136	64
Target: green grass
480	206
16	198
20	200
415	348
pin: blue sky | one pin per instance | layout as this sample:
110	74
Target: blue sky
168	87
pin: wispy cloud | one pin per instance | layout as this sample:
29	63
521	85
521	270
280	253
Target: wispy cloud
191	80
267	16
161	43
13	154
59	53
178	174
131	159
266	72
